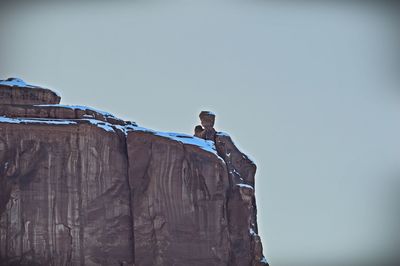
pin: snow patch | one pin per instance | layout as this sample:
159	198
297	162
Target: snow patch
20	83
244	186
104	125
15	82
206	145
4	119
236	172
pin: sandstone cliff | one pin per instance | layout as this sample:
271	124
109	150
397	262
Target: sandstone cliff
81	187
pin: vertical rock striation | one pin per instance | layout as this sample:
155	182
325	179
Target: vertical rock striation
65	199
79	186
179	202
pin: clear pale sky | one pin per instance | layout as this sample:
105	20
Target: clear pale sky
309	89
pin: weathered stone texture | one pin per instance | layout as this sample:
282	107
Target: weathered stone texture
14	91
246	247
81	187
66	200
179	195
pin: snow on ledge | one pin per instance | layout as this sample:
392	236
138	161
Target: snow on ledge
244	186
16	82
4	119
104	125
22	84
207	145
252	232
77	107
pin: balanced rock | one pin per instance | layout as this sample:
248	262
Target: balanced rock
206	130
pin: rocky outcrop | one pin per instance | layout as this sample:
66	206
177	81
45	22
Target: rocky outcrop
242	211
206	130
79	186
245	244
16	91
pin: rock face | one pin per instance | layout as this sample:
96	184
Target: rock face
81	187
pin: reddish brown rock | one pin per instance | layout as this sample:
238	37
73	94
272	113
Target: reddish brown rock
65	200
16	91
79	186
179	202
206	130
57	111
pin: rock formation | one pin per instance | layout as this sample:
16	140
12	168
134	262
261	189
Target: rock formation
79	186
206	130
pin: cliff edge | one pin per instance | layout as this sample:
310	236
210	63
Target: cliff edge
79	186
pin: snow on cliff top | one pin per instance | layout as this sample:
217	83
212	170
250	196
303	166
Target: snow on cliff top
9	120
206	145
15	82
20	83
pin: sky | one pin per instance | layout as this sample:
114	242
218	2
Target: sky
309	89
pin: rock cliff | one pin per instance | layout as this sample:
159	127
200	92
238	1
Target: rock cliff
79	186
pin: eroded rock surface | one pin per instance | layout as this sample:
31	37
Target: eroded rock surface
79	186
66	201
16	91
242	211
179	202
